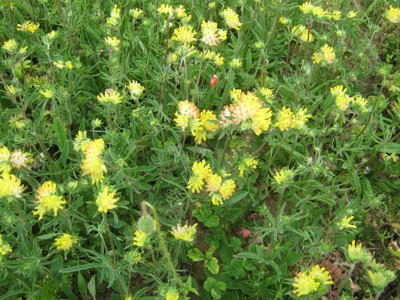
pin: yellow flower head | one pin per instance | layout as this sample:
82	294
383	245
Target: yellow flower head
335	15
4	154
306	7
166	9
284	20
303	33
227	188
301	118
338	90
345	223
135	88
10	46
5	248
65	242
248	111
47	199
248	163
393	14
140	239
92	163
47	93
112	42
212	36
206	123
20	159
343	101
115	17
286	119
184	34
106	199
172	294
135	13
356	253
110	96
201	171
309	282
236	63
186	233
231	18
213	183
326	55
283	176
81	141
10	186
28	26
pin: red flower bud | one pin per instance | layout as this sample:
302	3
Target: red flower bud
214	80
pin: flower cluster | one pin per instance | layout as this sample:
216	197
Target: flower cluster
343	100
247	164
10	186
186	233
110	96
17	159
393	15
310	282
356	253
283	176
28	26
326	55
215	57
319	12
212	36
106	199
231	18
201	124
286	119
65	242
115	16
184	34
345	223
218	188
303	33
47	199
140	239
135	89
92	163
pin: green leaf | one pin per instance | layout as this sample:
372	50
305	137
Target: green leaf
196	255
212	221
92	286
235	198
82	267
212	265
59	130
82	285
293	257
391	148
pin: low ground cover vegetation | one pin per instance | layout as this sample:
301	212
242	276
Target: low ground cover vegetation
199	149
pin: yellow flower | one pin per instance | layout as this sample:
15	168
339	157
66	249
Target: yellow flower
181	121
115	17
69	65
105	200
59	64
19	159
92	163
236	63
344	223
235	94
381	278
172	294
338	90
309	282
326	55
110	96
286	119
212	36
166	9
393	15
201	171
319	12
248	111
112	42
284	20
335	15
136	89
213	183
231	18
5	248
301	118
267	93
10	46
361	103
343	101
81	141
47	93
227	188
140	239
65	242
135	13
304	284
28	26
303	33
47	199
4	154
172	57
184	34
248	163
352	14
206	123
10	186
283	176
185	232
133	257
356	253
306	7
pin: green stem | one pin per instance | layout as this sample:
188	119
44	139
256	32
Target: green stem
343	283
163	246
